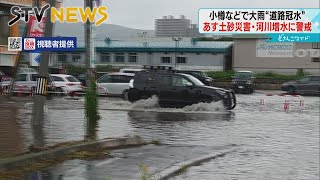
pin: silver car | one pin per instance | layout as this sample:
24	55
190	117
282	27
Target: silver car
115	84
309	85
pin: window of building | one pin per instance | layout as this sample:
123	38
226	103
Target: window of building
315	59
133	58
181	60
119	57
62	58
166	60
76	58
105	58
316	45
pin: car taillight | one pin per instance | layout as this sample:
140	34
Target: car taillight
70	84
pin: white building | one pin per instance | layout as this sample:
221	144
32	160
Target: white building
188	54
253	52
169	26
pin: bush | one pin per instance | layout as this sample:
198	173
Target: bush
75	70
227	75
104	68
221	75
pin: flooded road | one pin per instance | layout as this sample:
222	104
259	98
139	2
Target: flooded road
262	142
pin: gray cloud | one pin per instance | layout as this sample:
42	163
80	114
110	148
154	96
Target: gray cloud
140	14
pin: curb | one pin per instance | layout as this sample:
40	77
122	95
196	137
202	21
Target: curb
182	166
112	143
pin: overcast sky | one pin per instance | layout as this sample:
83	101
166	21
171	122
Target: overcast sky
140	14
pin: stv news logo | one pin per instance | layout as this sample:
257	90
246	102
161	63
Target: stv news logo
64	14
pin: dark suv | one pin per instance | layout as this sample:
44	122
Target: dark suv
175	89
202	76
243	81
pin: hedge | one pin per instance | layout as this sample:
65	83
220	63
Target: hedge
227	75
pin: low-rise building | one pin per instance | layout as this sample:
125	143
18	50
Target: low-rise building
189	54
253	52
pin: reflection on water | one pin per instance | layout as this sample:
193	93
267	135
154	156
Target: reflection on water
10	136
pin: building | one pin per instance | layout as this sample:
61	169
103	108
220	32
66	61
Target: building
252	52
8	58
189	54
169	26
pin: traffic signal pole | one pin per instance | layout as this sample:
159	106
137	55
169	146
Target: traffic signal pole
40	99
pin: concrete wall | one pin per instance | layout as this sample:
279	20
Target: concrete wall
244	58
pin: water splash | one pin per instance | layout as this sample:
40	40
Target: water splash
152	104
147	103
214	106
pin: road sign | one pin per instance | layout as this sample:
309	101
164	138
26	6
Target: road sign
38	58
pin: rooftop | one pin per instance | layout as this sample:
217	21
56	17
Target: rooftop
186	46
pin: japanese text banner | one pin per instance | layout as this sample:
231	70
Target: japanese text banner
259	21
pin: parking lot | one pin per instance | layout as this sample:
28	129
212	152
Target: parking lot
269	140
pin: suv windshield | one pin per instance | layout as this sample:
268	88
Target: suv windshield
243	75
195	81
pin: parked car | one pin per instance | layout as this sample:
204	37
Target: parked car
243	81
65	84
309	85
83	77
7	70
57	70
25	82
202	76
3	77
175	89
133	71
116	84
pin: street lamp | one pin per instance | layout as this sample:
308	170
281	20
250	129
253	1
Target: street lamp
177	46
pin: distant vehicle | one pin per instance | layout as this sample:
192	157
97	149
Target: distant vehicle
133	71
83	77
202	76
65	83
116	84
4	77
309	85
176	89
7	70
25	82
243	81
56	70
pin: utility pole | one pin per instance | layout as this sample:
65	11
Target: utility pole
176	49
39	100
90	65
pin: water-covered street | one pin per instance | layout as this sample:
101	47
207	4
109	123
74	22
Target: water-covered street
260	141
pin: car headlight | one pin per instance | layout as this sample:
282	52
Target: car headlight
249	82
208	79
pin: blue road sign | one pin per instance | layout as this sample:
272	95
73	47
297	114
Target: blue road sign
38	58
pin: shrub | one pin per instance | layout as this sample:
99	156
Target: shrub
221	75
